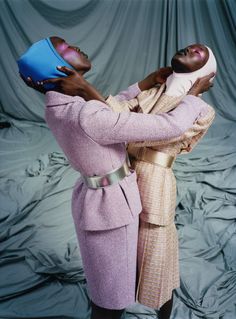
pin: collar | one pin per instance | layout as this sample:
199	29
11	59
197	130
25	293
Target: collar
55	99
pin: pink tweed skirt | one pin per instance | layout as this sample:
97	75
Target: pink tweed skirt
109	259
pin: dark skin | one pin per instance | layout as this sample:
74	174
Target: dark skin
190	59
75	84
187	60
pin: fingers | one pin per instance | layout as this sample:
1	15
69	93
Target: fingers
166	70
208	77
162	74
31	83
197	81
22	77
66	70
36	86
205	78
53	81
57	81
169	69
202	84
211	75
27	81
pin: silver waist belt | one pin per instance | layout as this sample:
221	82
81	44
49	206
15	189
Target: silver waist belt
110	178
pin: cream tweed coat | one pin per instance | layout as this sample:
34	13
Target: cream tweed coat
158	242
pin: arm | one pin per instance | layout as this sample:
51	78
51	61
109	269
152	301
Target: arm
157	77
199	129
146	99
190	137
107	127
122	106
73	84
143	103
131	92
201	85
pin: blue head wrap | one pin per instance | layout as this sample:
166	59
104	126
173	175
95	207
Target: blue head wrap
40	62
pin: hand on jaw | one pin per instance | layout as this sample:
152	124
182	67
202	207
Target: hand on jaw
202	85
73	84
157	77
160	76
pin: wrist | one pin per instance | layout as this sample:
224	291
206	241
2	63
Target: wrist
193	92
79	86
91	93
148	82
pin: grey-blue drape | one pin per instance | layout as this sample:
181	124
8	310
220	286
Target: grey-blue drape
40	266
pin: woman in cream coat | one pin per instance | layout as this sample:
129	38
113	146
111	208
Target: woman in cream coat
158	243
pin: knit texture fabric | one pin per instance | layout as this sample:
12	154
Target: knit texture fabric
158	263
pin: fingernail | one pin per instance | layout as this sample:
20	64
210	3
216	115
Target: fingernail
59	67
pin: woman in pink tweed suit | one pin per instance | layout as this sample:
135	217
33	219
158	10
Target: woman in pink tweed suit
94	138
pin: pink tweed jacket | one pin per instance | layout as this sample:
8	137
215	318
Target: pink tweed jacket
93	137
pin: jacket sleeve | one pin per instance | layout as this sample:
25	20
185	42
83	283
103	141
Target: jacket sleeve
104	126
125	101
131	92
122	106
197	131
191	136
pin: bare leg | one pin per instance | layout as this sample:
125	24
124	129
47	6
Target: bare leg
165	310
102	313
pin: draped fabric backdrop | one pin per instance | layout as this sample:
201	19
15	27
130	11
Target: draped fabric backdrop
40	266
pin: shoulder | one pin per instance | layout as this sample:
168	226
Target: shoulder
209	111
55	98
92	111
93	106
206	116
210	108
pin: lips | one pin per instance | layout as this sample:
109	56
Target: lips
81	52
85	55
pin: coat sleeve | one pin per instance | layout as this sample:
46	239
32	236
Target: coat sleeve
197	131
125	101
191	136
122	106
128	94
104	126
142	103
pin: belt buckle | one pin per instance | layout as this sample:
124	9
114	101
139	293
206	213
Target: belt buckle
104	181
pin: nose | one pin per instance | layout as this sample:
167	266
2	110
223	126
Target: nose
185	50
192	50
197	48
